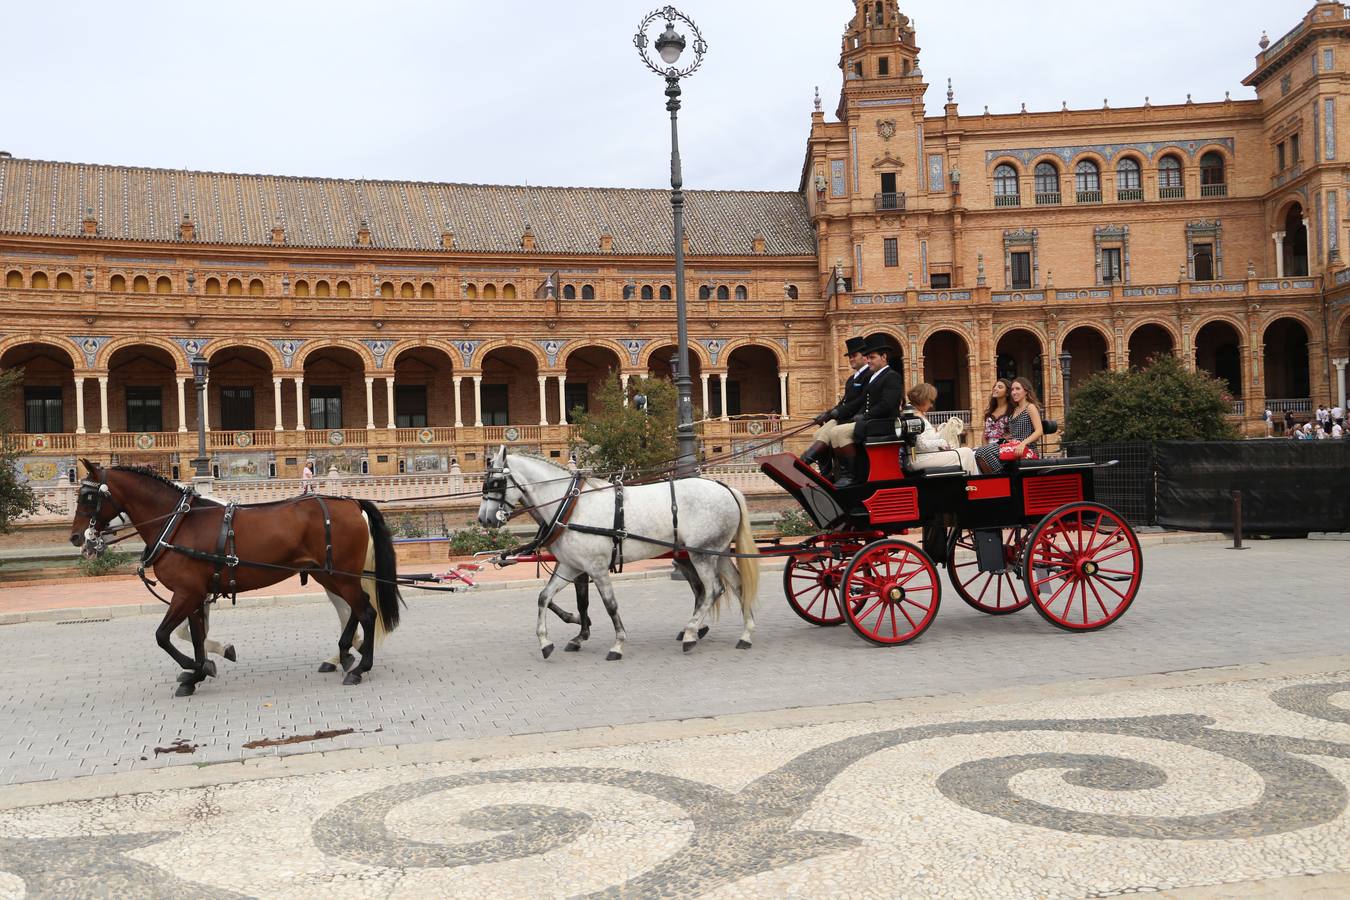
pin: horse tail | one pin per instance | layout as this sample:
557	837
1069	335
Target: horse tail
386	570
748	565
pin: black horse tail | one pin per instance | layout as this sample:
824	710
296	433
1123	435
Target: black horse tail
387	594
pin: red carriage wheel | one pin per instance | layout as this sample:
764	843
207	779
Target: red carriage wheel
811	584
891	591
1082	567
993	593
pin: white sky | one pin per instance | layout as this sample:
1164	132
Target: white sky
553	93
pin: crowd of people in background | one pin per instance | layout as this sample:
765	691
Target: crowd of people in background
1327	424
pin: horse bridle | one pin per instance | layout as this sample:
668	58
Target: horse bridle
96	493
495	485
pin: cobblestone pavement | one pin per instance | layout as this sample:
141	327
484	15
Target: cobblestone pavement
97	697
1236	778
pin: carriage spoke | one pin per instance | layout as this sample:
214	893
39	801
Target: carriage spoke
1121	552
895	628
1093	548
1105	611
1063	573
1107	585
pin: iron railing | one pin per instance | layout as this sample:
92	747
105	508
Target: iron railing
890	202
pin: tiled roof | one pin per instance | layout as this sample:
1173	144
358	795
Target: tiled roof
51	199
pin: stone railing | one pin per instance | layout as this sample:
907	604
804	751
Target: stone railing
1295	405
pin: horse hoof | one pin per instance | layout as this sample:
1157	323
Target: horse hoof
208	669
547	651
348	662
326	667
573	647
229	653
186	689
742	645
613	655
690	645
185	677
352	678
703	632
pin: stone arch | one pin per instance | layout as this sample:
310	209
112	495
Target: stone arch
951	372
1341	328
1068	328
614	346
313	346
1103	164
181	362
772	346
1310	325
1040	333
1281	207
14	340
954	329
695	349
446	347
1007	160
1169	327
1238	324
1214	148
264	347
528	346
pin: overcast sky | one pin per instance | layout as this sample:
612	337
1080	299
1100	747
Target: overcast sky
553	93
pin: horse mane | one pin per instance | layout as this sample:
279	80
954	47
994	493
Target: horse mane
589	481
147	472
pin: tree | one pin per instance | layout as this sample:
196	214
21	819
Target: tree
16	497
1163	402
615	435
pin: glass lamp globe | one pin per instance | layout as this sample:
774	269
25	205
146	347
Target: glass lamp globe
670	45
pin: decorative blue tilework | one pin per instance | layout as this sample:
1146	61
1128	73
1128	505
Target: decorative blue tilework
1109	151
937	177
551	348
838	188
714	347
287	347
1329	127
192	346
635	348
89	346
467	349
379	349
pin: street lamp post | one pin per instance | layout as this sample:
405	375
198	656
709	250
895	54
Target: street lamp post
670	45
1065	362
199	369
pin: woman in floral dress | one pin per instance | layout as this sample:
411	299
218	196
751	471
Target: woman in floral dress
996	416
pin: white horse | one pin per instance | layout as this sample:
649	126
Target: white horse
712	517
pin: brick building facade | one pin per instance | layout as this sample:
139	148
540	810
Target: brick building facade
394	327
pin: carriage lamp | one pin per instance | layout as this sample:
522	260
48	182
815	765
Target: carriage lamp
670	46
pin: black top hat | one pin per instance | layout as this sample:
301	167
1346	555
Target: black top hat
854	345
879	344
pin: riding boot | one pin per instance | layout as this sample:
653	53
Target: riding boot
818	452
845	465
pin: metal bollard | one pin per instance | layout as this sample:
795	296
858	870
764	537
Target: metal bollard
1237	521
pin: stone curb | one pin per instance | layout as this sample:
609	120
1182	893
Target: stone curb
186	776
125	610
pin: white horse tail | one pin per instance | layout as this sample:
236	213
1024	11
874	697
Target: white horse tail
748	565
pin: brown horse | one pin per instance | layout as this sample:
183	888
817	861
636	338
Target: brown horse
200	549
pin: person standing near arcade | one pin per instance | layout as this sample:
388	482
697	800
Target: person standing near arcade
877	407
819	451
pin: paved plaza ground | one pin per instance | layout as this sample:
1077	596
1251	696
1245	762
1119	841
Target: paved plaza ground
1203	743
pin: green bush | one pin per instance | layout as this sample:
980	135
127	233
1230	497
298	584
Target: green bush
106	564
477	539
1163	402
795	523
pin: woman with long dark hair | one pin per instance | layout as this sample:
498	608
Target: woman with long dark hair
1024	428
999	412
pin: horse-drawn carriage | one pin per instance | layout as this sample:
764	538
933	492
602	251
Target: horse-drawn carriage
1032	535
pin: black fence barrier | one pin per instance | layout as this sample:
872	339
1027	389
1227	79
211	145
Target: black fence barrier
1128	488
1288	487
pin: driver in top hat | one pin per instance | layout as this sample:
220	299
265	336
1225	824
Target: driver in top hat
876	407
854	385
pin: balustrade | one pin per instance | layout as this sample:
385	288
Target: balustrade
1297	405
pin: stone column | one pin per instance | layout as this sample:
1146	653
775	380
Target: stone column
782	394
299	403
206	403
704	376
623	383
722	380
103	404
370	404
562	399
389	396
543	399
1279	253
182	405
276	401
478	401
79	402
1340	365
459	403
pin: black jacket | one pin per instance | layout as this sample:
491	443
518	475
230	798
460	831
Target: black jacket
879	401
853	389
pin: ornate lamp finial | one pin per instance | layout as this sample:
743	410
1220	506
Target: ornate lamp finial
818	109
1264	42
951	95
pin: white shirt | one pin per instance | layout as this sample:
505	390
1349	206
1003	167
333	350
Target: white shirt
1337	431
876	373
1321	414
930	441
1336	412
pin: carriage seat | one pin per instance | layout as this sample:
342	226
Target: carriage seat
937	470
1064	462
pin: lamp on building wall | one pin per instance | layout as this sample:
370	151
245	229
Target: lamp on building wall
670	46
199	370
1065	362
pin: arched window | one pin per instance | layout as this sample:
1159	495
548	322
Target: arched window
665	292
509	292
1047	184
163	285
1213	178
648	293
407	291
322	289
489	292
40	280
1088	182
471	291
256	288
344	289
1129	185
140	286
569	292
723	293
588	292
235	288
301	288
14	279
64	282
742	293
704	292
212	285
428	291
792	292
387	290
1170	186
1007	192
